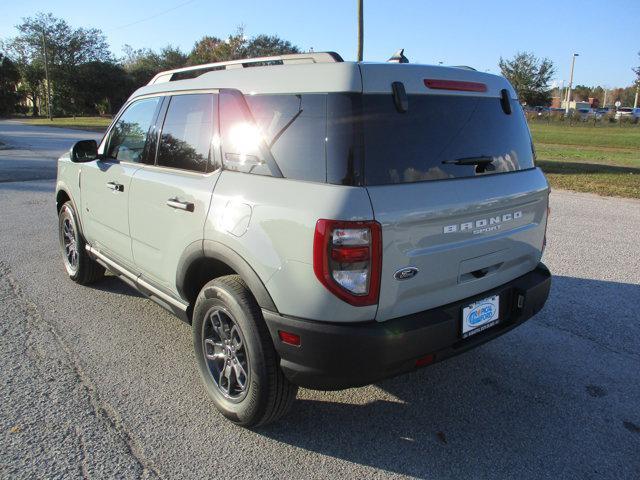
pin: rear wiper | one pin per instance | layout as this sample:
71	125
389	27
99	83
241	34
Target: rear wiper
482	163
470	161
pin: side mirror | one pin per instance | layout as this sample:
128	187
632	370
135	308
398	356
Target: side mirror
84	151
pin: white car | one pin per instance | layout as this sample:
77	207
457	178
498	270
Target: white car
627	112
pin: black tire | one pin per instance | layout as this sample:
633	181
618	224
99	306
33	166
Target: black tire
83	270
267	394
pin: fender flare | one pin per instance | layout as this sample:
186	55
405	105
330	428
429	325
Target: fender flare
218	251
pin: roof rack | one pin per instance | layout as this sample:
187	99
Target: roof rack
197	70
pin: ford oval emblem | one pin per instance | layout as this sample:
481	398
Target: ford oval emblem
406	273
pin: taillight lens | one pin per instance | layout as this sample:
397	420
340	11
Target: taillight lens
347	259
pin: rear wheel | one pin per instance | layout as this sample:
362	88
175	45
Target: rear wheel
235	355
80	267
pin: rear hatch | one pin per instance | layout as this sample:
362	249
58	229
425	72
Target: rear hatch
453	183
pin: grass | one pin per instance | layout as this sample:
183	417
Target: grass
603	159
97	124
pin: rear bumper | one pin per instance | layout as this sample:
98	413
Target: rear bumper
335	356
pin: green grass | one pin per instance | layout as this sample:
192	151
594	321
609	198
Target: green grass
98	124
604	159
603	135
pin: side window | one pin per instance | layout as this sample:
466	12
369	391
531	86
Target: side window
129	135
242	140
187	133
287	133
294	127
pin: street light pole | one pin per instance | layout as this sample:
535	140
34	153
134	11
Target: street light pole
46	73
573	63
360	31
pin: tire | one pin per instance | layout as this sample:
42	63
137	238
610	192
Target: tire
233	347
80	267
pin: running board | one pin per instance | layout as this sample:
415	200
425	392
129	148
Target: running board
177	307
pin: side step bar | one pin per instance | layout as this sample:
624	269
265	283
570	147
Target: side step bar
177	307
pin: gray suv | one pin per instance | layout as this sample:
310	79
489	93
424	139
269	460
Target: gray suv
320	223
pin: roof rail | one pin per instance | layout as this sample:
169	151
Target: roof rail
197	70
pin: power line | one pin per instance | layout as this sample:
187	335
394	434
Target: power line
152	16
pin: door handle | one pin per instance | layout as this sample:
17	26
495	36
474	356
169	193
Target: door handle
175	203
116	187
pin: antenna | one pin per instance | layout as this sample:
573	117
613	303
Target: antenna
398	57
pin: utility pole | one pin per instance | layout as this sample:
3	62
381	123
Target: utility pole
46	73
604	102
360	31
573	63
635	100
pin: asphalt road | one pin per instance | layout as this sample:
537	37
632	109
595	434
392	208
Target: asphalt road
100	382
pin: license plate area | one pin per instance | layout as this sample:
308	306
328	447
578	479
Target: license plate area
480	315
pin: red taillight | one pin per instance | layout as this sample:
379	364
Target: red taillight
350	254
347	259
289	338
455	85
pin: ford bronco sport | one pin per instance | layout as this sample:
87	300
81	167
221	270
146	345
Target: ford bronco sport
321	223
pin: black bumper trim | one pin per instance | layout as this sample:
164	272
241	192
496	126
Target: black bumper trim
334	356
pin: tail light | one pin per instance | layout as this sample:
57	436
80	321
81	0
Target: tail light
347	259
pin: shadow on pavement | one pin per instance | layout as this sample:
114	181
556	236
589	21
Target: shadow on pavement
112	284
531	401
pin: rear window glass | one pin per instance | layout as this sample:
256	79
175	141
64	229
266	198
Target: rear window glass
437	130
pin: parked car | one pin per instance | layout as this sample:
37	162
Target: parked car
313	219
627	112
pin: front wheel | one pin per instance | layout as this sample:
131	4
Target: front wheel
235	355
80	267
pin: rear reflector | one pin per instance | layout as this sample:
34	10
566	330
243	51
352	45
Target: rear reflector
426	360
455	85
289	338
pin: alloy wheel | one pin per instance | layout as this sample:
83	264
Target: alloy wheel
225	353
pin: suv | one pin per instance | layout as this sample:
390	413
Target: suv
320	223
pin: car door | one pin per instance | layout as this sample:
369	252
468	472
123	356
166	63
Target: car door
170	200
105	182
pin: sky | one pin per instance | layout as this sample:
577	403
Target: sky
605	33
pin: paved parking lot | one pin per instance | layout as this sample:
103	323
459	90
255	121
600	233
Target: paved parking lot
100	382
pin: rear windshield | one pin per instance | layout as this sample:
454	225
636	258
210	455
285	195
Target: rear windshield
437	131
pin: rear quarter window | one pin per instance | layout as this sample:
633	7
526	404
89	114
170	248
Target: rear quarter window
293	128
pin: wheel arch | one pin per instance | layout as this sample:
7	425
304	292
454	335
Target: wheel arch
205	260
62	197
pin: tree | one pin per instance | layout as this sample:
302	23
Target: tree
581	93
267	45
106	86
530	77
9	77
67	48
205	50
211	49
144	63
